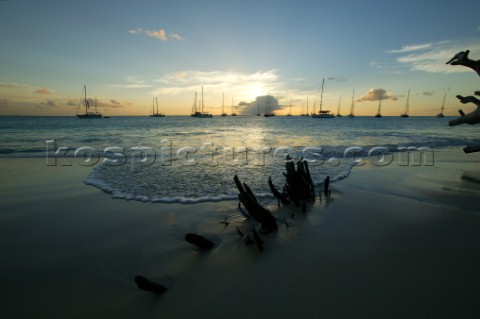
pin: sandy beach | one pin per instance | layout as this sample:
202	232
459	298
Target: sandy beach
391	242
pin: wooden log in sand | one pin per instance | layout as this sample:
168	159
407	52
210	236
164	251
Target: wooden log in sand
256	211
145	284
199	241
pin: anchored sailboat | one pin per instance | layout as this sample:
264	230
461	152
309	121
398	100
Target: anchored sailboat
290	113
195	112
353	105
407	106
223	105
84	102
440	115
379	111
156	113
338	110
233	113
268	107
322	114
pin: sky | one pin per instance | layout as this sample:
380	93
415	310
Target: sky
128	52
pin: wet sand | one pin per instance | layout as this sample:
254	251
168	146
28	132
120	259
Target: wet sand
391	242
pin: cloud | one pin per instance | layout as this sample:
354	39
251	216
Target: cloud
261	104
411	48
48	103
243	84
374	94
428	92
336	78
160	34
112	104
133	82
433	58
11	85
43	91
72	102
135	31
4	103
176	36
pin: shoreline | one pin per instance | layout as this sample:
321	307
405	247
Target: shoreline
391	242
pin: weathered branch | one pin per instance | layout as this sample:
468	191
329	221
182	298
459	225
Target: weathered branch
470	118
276	193
461	58
472	148
259	213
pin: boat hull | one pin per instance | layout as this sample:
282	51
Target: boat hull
89	116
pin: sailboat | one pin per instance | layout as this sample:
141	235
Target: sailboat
268	112
290	113
338	110
84	102
233	113
406	106
156	114
353	105
379	112
440	115
199	114
223	106
322	114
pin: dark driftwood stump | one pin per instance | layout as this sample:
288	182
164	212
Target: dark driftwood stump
299	184
256	211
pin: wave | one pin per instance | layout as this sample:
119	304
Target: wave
128	190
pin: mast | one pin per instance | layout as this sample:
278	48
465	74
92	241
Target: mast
156	102
443	103
307	104
202	99
85	98
380	104
195	104
321	96
353	103
223	103
153	106
231	108
408	100
290	107
339	101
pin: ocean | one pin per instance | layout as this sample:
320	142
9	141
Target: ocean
189	160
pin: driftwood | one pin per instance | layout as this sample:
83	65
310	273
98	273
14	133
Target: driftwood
256	211
199	241
461	58
472	148
145	284
299	184
326	186
470	118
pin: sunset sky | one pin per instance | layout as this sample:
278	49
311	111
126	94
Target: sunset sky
127	52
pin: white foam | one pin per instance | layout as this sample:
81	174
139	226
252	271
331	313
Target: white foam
94	179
